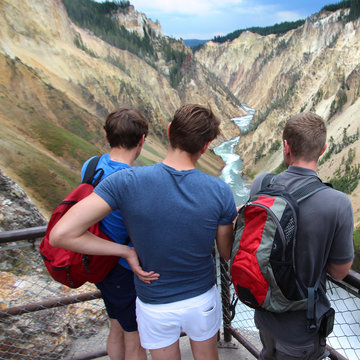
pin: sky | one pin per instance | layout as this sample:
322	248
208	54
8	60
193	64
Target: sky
204	19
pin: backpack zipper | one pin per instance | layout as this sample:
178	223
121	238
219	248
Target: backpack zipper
282	235
277	222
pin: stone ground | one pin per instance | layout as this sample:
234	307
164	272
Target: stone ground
227	351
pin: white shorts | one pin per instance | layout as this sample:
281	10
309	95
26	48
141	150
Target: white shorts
160	325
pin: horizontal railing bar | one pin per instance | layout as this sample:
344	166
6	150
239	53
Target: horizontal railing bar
243	341
351	283
346	287
52	303
22	234
334	355
352	279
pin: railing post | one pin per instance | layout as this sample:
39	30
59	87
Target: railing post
225	298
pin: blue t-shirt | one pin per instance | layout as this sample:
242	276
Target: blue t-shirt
112	225
172	218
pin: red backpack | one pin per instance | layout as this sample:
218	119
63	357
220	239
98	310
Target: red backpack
263	268
68	267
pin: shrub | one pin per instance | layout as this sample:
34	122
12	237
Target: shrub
348	179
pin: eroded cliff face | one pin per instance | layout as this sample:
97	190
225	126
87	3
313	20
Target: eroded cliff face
313	68
17	210
58	82
55	94
137	22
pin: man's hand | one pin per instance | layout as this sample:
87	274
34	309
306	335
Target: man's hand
145	276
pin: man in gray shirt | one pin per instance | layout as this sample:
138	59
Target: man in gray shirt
324	243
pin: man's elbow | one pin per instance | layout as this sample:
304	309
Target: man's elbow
55	237
339	272
337	275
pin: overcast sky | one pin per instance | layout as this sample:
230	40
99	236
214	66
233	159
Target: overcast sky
203	19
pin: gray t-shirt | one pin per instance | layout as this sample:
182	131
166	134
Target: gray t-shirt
325	234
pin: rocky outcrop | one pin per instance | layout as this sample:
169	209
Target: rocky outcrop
24	280
137	22
17	210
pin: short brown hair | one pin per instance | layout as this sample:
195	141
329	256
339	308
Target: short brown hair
192	127
306	135
125	126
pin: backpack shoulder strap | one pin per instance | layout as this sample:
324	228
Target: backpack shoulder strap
303	192
91	172
309	188
267	180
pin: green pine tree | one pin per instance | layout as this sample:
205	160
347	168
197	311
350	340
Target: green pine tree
354	9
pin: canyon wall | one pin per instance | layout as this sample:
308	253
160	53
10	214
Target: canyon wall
315	67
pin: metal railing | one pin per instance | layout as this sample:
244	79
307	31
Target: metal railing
42	319
344	296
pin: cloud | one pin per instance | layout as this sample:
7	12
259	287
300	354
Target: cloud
287	16
185	7
203	19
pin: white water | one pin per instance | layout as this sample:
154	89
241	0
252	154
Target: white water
231	173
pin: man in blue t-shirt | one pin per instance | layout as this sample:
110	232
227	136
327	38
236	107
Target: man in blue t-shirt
173	213
324	243
126	129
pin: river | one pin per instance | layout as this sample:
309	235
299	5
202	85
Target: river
232	170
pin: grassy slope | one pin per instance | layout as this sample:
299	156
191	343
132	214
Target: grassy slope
45	137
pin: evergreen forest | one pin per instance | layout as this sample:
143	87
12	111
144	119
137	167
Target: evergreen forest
99	18
96	17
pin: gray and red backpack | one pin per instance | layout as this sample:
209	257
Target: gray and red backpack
263	267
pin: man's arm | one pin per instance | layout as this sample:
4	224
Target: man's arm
224	240
338	272
71	232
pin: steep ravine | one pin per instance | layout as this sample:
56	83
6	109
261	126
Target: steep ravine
313	68
55	94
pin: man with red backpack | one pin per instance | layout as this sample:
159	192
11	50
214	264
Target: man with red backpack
324	244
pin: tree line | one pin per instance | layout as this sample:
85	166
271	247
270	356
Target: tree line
97	18
277	29
284	27
354	6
